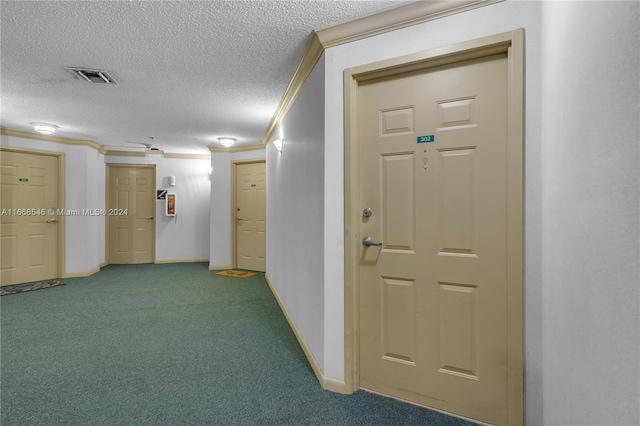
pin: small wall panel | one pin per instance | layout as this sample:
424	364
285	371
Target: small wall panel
457	329
398	202
122	200
260	206
37	175
396	121
36	250
37	197
456	113
9	170
457	198
9	199
9	253
261	245
398	319
123	240
142	208
140	240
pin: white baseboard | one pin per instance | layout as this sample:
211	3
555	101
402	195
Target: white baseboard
219	267
327	383
162	261
81	274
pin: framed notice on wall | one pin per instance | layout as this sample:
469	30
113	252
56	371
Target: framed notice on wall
171	205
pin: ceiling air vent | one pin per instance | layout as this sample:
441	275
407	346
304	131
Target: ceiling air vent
92	76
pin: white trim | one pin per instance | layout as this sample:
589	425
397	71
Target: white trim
219	267
327	383
394	18
82	274
163	261
237	148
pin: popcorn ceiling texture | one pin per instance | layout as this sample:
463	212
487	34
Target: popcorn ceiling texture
187	72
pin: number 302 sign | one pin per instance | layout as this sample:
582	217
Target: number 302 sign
428	138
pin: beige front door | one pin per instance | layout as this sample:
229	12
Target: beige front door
29	234
250	216
131	214
433	296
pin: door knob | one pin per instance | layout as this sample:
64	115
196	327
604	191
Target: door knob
367	241
150	218
53	220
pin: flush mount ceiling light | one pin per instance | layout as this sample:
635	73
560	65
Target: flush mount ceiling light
44	128
227	142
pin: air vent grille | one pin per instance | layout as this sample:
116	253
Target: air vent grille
92	76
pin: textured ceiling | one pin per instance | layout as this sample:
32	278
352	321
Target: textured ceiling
187	71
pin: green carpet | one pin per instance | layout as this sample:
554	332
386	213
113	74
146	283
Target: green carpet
168	344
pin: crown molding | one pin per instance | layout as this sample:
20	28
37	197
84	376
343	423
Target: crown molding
187	156
380	22
54	139
307	62
238	148
116	153
95	145
394	18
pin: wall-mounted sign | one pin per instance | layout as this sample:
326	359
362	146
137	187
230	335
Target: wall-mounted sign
161	194
428	138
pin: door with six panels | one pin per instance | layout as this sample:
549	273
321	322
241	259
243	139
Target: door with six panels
433	295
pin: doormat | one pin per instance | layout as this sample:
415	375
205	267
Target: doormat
21	288
237	274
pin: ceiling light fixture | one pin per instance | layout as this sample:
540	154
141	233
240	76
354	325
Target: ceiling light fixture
227	142
44	128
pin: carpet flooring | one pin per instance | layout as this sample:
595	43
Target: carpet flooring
170	344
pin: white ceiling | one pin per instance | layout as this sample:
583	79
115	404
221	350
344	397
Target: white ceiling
187	72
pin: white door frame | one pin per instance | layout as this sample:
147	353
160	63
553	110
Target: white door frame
511	43
61	270
234	205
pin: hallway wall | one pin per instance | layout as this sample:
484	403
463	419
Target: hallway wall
186	236
590	213
84	189
295	213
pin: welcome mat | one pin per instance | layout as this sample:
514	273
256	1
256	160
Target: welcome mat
237	274
21	288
